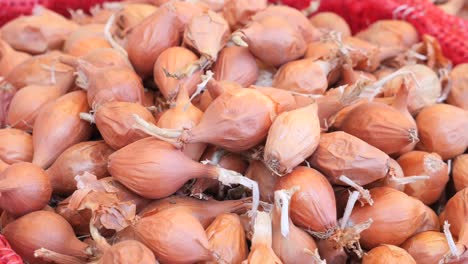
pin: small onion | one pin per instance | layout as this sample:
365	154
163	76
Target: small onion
429	164
455	213
10	58
24	188
329	21
44	229
236	64
427	247
15	146
58	126
85	39
261	250
459	82
293	136
226	237
130	16
387	254
442	130
90	156
238	12
460	172
390	33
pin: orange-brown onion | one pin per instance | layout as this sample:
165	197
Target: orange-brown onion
329	252
382	126
130	16
261	250
313	205
85	39
203	211
107	84
427	247
384	254
329	21
305	76
455	213
293	136
226	237
460	172
185	11
24	188
390	33
174	236
58	126
184	115
152	36
236	64
129	251
442	130
106	57
283	99
340	153
27	103
458	95
171	60
89	156
10	58
428	164
45	28
116	123
238	12
273	40
293	17
430	222
265	178
42	70
44	229
15	146
396	217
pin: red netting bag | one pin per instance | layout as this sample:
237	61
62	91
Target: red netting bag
7	255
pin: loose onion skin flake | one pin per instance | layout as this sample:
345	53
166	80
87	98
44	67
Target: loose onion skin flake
427	247
58	126
388	254
460	172
442	129
459	92
236	64
15	146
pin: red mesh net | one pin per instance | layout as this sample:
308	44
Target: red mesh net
7	255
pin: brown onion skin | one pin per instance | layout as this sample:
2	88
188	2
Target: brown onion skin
396	217
131	15
27	103
172	60
45	28
106	57
329	21
58	126
204	211
238	12
387	254
266	180
142	164
430	222
382	126
460	172
442	130
318	50
427	247
152	36
85	39
129	251
7	91
394	172
116	123
340	153
429	164
15	146
24	188
10	58
274	41
329	252
226	237
174	236
236	64
313	205
458	95
390	33
89	156
32	71
455	213
43	229
283	99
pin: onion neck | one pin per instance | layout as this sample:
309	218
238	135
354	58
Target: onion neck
88	117
263	232
168	135
365	194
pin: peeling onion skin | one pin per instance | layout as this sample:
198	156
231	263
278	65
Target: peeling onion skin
58	126
442	129
89	156
396	217
340	153
15	146
460	172
387	254
236	64
458	95
313	205
329	21
429	164
427	247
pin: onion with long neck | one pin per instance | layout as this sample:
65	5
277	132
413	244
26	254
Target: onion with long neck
261	250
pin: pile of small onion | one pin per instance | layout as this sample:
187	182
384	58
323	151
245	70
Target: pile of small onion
125	136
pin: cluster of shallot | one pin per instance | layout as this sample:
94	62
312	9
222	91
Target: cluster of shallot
229	131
